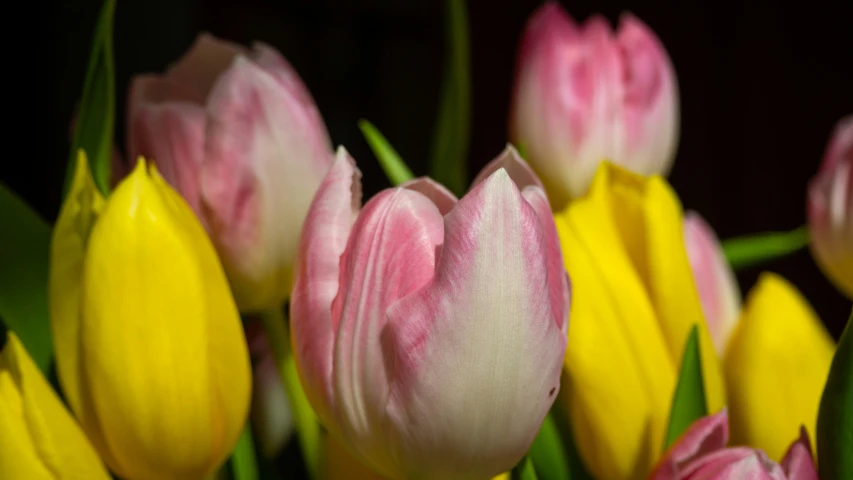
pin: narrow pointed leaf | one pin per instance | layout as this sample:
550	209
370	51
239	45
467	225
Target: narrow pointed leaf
576	469
24	253
835	417
94	128
747	251
524	470
688	403
243	463
394	166
548	453
450	137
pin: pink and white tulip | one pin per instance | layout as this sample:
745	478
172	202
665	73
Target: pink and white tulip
430	332
701	453
584	94
715	281
830	209
236	132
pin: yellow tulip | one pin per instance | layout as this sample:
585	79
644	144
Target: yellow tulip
39	439
633	304
149	346
776	365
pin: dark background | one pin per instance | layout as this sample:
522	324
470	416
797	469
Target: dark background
761	84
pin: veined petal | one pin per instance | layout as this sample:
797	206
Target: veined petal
798	463
324	237
390	253
706	435
39	438
165	355
776	365
443	199
478	342
738	462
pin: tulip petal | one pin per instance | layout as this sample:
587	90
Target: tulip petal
493	267
390	254
519	171
443	199
715	281
324	237
776	364
152	378
706	435
738	462
798	463
204	62
39	438
258	180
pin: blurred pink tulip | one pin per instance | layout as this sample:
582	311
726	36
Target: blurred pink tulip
430	332
584	94
716	283
830	209
701	453
237	133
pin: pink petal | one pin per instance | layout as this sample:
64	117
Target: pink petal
519	171
739	462
707	435
264	160
797	462
717	286
324	237
390	254
443	199
207	58
477	343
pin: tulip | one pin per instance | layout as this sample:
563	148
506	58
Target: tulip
715	281
148	342
38	437
634	304
830	209
236	132
776	366
701	453
584	94
429	333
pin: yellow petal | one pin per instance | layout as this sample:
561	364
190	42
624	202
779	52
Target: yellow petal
38	437
166	362
776	364
78	214
622	247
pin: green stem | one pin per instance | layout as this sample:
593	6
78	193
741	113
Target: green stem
750	250
243	459
307	426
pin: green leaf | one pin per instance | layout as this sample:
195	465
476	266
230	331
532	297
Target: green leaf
577	470
688	403
548	453
835	417
752	250
524	470
450	138
243	462
24	254
394	166
96	115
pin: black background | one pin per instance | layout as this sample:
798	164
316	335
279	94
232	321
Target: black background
762	84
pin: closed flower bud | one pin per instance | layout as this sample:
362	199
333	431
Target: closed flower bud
236	132
430	332
584	94
149	347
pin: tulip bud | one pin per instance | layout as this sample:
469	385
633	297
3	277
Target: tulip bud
830	209
584	94
38	437
775	366
716	283
149	346
430	333
701	453
238	134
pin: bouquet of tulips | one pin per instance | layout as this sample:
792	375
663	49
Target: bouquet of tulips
224	287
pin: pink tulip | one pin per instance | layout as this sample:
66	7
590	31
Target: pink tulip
830	208
701	453
237	133
716	283
430	332
584	94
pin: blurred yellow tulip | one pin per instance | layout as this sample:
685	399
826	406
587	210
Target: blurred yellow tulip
633	303
776	365
149	346
39	439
